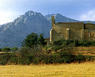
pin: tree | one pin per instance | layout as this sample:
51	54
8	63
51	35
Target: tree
31	40
41	40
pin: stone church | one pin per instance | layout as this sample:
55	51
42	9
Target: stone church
72	31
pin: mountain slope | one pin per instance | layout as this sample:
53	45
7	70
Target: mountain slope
12	34
59	18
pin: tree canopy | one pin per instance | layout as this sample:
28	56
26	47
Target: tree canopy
34	39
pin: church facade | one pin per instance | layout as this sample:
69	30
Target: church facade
72	31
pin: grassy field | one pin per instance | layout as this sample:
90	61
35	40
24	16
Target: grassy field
59	70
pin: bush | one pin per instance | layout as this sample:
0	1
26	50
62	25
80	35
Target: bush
90	58
55	58
14	49
24	61
24	51
66	57
50	58
0	49
6	49
64	43
13	60
80	58
71	43
29	55
36	60
4	58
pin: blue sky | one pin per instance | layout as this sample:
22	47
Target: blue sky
76	9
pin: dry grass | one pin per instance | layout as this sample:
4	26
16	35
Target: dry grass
59	70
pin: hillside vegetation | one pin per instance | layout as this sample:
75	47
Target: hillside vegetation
36	50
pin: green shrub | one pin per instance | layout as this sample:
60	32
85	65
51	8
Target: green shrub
55	58
4	58
26	56
0	49
55	48
14	49
13	60
29	55
80	58
66	57
71	43
36	60
90	58
24	61
49	59
24	51
6	49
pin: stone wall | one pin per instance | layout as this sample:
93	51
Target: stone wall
74	31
